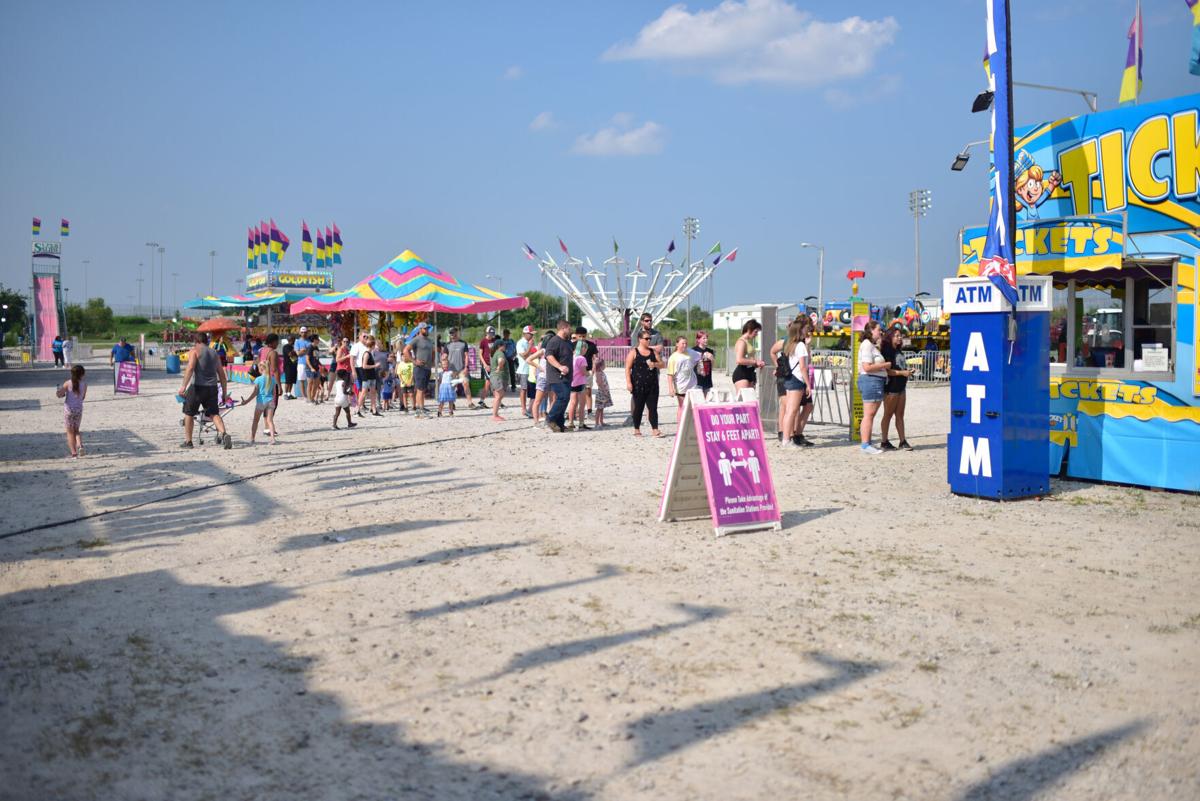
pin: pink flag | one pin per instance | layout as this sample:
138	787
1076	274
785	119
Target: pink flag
563	246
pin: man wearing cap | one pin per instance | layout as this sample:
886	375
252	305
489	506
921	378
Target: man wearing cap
301	349
523	346
456	353
420	350
485	359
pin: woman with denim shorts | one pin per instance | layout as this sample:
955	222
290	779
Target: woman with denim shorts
872	375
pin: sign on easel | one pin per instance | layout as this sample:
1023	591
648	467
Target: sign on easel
128	377
719	467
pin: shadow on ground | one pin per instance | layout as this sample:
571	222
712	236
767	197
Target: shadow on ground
188	710
1027	778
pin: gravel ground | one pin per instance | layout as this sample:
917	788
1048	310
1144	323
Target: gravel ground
469	610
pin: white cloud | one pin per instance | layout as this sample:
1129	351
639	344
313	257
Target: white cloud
543	122
768	41
513	73
622	140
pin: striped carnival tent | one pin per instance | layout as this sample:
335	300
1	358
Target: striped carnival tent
409	284
254	301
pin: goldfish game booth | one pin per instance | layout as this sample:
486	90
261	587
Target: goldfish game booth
1108	211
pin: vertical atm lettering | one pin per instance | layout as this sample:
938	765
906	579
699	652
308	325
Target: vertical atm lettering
999	390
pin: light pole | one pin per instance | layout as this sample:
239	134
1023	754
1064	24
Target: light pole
85	263
499	282
983	101
139	283
212	271
691	230
174	293
920	201
162	265
960	161
820	278
152	246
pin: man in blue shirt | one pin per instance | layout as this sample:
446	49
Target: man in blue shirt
301	348
121	352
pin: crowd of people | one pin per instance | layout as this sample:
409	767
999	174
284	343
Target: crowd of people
558	380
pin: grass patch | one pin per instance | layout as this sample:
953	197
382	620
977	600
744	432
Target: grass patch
1163	628
97	542
928	667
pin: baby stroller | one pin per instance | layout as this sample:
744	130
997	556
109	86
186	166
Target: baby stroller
204	422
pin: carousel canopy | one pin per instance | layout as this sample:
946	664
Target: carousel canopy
244	301
408	284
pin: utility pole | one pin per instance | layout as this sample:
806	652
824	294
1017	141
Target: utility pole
139	283
920	201
162	265
152	246
86	262
174	293
212	271
691	229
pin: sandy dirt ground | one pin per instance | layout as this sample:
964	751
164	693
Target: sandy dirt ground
458	609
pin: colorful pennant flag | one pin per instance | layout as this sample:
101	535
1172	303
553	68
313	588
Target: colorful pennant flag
529	254
1131	80
250	249
65	230
1194	60
563	246
714	249
265	238
257	244
283	245
320	250
276	245
731	255
337	245
998	264
328	248
671	247
616	248
306	244
37	226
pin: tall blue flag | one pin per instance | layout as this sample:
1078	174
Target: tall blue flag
999	262
1194	61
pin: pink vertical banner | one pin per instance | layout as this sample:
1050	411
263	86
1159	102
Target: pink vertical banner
46	311
128	377
734	457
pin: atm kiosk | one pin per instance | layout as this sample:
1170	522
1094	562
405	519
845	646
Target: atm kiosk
999	389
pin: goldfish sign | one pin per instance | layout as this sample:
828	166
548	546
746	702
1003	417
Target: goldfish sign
999	389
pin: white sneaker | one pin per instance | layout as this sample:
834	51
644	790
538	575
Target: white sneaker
871	449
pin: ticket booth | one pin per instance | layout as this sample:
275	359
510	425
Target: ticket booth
1117	233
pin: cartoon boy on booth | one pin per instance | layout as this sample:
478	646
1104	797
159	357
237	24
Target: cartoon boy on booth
1032	186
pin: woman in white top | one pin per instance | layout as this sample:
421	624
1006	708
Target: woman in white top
795	382
872	375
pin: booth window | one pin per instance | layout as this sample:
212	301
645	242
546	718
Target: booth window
1058	327
1123	323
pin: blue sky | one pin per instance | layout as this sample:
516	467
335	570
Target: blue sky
460	130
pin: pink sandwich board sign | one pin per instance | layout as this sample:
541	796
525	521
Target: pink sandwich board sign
128	377
719	467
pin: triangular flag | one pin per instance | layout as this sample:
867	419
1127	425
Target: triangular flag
731	255
714	249
615	247
671	247
563	246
